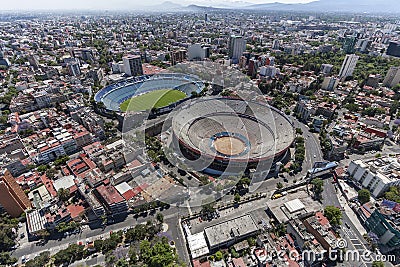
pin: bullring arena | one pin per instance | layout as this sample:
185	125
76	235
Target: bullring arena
235	134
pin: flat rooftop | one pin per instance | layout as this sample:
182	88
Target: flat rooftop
228	230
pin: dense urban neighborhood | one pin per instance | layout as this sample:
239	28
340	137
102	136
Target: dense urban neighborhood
199	136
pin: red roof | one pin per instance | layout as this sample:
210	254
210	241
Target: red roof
75	210
197	263
110	194
321	218
129	194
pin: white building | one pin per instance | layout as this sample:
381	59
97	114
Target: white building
268	71
326	68
330	83
392	78
198	52
376	175
348	66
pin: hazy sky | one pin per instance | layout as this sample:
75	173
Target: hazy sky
115	4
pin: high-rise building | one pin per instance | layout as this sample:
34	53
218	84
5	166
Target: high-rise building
178	56
330	83
12	197
349	44
33	61
198	52
393	49
392	78
348	66
276	44
74	69
133	65
237	46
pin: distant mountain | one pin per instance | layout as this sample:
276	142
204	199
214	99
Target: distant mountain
369	6
169	6
165	6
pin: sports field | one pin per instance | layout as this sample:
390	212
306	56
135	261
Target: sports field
157	99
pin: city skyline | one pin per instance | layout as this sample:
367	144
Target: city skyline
121	4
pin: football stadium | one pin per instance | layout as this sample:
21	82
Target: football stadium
147	92
236	135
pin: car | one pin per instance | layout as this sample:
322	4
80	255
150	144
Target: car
276	196
315	156
347	225
22	235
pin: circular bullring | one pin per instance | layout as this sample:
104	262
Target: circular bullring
232	130
117	95
229	145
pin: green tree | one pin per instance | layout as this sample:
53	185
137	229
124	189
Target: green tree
160	217
218	255
378	264
333	214
236	198
6	259
41	260
63	194
318	187
364	196
393	194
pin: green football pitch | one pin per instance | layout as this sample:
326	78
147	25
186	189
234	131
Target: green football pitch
157	99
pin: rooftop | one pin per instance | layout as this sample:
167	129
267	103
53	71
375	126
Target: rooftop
231	229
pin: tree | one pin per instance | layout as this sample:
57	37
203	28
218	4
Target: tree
299	131
364	196
279	185
160	217
63	194
98	244
40	260
378	264
236	198
333	214
207	208
317	187
218	255
6	259
393	194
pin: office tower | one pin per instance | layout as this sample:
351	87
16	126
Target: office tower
330	83
206	17
392	78
275	44
133	65
73	68
348	66
33	61
198	52
393	49
12	197
348	45
237	46
178	56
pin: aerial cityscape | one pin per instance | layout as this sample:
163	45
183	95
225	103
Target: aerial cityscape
200	133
